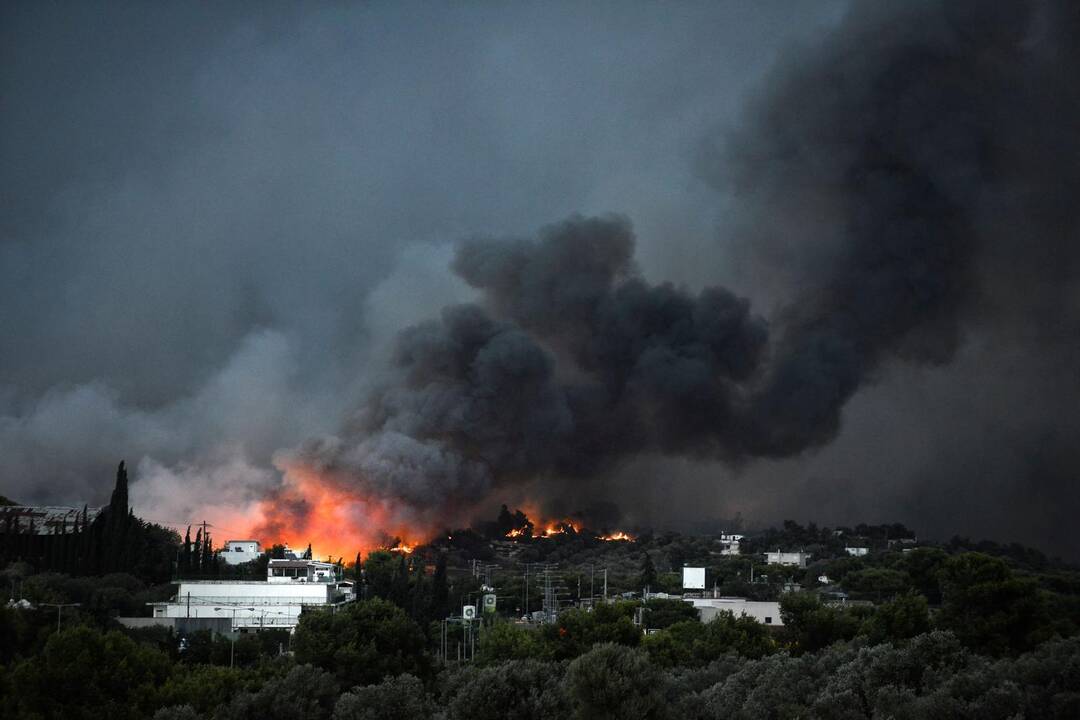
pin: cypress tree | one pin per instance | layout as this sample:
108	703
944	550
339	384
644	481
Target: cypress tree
196	552
118	503
185	555
115	540
206	563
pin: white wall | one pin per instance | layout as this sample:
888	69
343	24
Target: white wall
249	604
765	612
236	552
787	558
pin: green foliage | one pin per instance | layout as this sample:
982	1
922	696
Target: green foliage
660	613
903	617
23	632
362	643
877	582
989	609
380	570
304	693
202	687
578	630
101	675
245	651
811	626
177	712
693	644
924	567
507	641
399	698
519	689
613	681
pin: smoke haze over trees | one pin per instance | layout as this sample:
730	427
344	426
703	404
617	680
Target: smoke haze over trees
868	225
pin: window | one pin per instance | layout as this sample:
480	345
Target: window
768	620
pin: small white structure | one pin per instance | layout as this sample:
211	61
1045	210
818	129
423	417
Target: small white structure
240	551
661	596
797	559
729	543
251	605
693	578
857	551
765	612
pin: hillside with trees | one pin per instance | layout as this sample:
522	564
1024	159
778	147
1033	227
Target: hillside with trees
926	630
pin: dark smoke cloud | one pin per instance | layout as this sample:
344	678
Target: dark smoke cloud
215	217
908	160
478	401
218	219
913	179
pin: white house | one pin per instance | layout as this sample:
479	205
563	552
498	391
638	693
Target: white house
252	605
240	551
857	551
787	558
765	612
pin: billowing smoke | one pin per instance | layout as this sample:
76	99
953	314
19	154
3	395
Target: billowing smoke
222	218
569	364
901	160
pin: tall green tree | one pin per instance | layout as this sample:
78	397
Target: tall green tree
184	566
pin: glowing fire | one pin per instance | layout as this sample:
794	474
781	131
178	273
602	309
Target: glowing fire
560	527
618	535
336	520
516	532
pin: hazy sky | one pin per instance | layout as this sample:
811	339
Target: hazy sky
216	218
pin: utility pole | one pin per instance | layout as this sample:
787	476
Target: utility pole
549	610
60	606
605	584
592	576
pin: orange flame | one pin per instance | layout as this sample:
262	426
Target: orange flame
337	521
560	527
618	535
516	532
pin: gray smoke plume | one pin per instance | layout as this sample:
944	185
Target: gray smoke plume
918	152
219	218
571	364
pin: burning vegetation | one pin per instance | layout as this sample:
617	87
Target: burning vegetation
338	522
522	527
